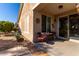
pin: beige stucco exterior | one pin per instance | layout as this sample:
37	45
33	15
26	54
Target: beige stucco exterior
27	12
31	11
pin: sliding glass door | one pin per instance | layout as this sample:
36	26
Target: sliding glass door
74	25
63	27
46	23
69	26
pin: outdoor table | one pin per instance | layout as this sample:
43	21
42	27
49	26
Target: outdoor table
49	36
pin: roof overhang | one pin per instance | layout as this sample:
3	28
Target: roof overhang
53	8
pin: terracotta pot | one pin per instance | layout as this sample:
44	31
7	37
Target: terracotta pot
20	39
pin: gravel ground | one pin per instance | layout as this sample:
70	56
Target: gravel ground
9	47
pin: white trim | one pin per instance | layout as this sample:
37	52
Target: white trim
35	6
73	40
58	27
68	26
26	32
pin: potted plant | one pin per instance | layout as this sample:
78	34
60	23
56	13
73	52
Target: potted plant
19	37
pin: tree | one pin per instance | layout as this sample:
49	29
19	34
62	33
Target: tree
6	26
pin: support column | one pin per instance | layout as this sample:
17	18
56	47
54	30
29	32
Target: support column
68	28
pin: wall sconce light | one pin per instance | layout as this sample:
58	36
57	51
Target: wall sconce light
60	6
77	7
37	20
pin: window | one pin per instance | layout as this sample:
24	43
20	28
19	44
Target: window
26	30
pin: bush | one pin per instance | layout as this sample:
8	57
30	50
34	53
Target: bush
6	26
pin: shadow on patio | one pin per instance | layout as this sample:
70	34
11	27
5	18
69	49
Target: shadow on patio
6	44
13	48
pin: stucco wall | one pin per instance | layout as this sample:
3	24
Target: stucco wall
27	12
37	26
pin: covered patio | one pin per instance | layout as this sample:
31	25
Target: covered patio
57	17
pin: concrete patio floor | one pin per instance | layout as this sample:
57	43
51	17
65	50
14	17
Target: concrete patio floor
66	48
9	47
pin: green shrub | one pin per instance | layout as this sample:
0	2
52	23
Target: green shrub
6	26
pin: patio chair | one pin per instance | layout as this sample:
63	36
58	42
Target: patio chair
41	37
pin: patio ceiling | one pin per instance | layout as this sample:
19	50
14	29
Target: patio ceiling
54	9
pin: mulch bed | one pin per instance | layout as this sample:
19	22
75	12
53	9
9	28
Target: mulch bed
39	54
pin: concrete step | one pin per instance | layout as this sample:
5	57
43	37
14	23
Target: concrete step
74	39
